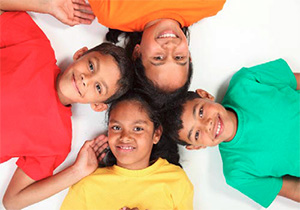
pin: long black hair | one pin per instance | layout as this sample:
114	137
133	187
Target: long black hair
158	96
164	148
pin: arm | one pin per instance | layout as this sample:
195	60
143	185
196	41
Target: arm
297	76
24	191
70	12
290	188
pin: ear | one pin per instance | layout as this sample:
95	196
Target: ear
157	134
79	53
203	94
136	52
192	147
99	107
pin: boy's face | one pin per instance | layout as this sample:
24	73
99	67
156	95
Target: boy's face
131	135
91	78
206	123
165	54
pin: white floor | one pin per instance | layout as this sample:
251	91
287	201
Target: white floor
244	33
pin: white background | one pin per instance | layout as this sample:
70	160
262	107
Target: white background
244	33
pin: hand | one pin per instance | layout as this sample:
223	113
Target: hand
92	152
71	12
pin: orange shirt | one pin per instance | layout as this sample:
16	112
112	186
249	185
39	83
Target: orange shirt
133	15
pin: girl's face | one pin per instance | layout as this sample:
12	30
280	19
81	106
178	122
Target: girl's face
131	135
165	54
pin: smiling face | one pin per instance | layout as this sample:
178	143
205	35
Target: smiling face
131	135
91	78
165	54
206	123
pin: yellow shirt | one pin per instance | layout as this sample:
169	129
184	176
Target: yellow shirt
133	15
157	187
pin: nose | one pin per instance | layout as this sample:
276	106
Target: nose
169	44
207	125
86	80
125	137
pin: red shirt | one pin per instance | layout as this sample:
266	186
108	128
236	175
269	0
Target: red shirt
35	126
133	15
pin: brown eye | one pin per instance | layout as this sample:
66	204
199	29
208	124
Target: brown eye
98	87
201	112
196	135
91	66
158	58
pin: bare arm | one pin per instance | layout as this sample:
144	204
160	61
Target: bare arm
291	188
23	191
70	12
297	76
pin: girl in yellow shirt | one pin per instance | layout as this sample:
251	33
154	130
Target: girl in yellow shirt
140	175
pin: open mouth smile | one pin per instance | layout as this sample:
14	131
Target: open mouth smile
125	148
167	34
219	127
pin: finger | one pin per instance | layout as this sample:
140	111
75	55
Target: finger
101	137
77	21
83	7
99	141
83	15
101	149
101	157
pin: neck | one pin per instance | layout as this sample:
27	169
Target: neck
61	97
234	121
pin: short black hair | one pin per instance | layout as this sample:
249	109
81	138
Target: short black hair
124	64
164	148
171	118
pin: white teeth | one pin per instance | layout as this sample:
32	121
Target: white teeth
126	147
218	129
167	36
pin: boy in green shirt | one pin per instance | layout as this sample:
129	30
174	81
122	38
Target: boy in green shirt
257	128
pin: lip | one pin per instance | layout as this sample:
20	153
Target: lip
75	85
167	34
125	148
218	122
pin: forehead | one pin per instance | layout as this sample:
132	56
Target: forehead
129	111
169	76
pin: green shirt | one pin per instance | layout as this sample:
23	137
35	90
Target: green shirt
267	143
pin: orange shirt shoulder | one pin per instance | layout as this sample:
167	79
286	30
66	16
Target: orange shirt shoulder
133	15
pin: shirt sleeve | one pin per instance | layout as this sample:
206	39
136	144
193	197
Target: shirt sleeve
262	190
39	167
75	198
187	190
275	73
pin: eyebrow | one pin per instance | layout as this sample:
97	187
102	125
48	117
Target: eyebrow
194	115
135	122
159	64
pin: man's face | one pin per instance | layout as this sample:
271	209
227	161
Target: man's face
91	78
206	123
165	54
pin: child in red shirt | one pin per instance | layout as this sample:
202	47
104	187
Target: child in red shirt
36	103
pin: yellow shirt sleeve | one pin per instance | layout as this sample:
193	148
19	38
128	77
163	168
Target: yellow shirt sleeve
75	199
